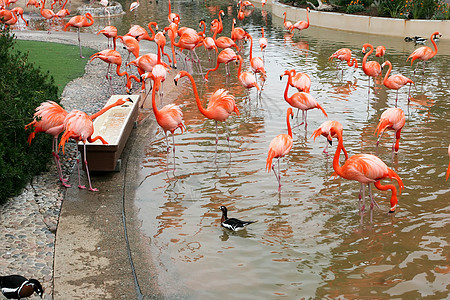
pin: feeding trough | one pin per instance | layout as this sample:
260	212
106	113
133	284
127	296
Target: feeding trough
114	126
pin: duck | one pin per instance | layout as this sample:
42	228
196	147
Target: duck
420	40
409	39
17	287
232	223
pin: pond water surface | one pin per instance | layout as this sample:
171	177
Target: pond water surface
308	240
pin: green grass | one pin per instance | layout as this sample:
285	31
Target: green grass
61	60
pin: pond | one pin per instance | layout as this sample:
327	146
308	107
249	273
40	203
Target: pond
308	240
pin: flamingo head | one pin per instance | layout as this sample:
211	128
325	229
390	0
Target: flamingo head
287	72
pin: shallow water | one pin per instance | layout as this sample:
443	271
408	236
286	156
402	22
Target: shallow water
308	240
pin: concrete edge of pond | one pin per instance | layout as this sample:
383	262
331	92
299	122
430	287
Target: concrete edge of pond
361	24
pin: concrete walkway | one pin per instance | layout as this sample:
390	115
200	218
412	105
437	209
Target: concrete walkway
92	258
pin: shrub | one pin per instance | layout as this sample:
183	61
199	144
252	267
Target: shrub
23	88
421	9
354	8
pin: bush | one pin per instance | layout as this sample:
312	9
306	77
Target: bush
23	87
354	8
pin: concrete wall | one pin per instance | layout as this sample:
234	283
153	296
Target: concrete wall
361	24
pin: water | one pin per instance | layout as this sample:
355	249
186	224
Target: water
308	240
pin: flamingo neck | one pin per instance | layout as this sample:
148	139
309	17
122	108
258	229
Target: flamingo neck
89	19
287	87
155	108
307	17
102	111
64	4
118	71
434	44
151	29
170	8
197	98
337	168
240	65
367	55
202	23
388	72
289	125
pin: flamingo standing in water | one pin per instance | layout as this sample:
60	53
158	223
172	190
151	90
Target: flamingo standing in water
301	100
328	130
78	22
279	147
424	53
224	42
287	24
262	42
370	68
247	79
380	51
301	25
139	33
256	63
300	81
344	54
225	56
111	33
220	106
78	125
366	169
396	81
133	7
19	12
49	118
170	117
391	118
47	14
238	34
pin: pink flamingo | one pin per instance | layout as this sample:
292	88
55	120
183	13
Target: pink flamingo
78	22
47	14
287	24
134	6
263	42
279	147
424	53
78	126
344	54
256	63
300	81
139	33
225	56
161	41
328	130
49	118
130	44
391	118
366	169
396	81
301	25
370	68
19	12
247	79
301	100
220	106
172	17
380	51
170	117
111	33
224	41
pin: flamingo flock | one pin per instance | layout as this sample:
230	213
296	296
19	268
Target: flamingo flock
364	168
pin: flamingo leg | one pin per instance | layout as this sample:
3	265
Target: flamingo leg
87	171
58	164
173	145
79	177
217	141
79	43
378	141
325	150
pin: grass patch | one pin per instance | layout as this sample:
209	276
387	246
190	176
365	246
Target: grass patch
62	61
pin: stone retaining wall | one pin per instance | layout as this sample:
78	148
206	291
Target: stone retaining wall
361	24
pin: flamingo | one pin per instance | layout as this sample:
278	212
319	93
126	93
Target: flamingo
133	7
256	63
424	53
263	2
49	118
448	168
225	56
301	25
139	33
159	73
301	81
328	130
130	44
173	17
78	125
380	51
220	106
391	118
301	100
287	24
8	17
63	12
396	81
47	14
112	57
188	40
247	79
19	12
161	41
34	3
170	117
217	23
344	54
209	44
224	41
279	147
78	22
111	33
370	68
238	33
366	169
105	3
262	42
